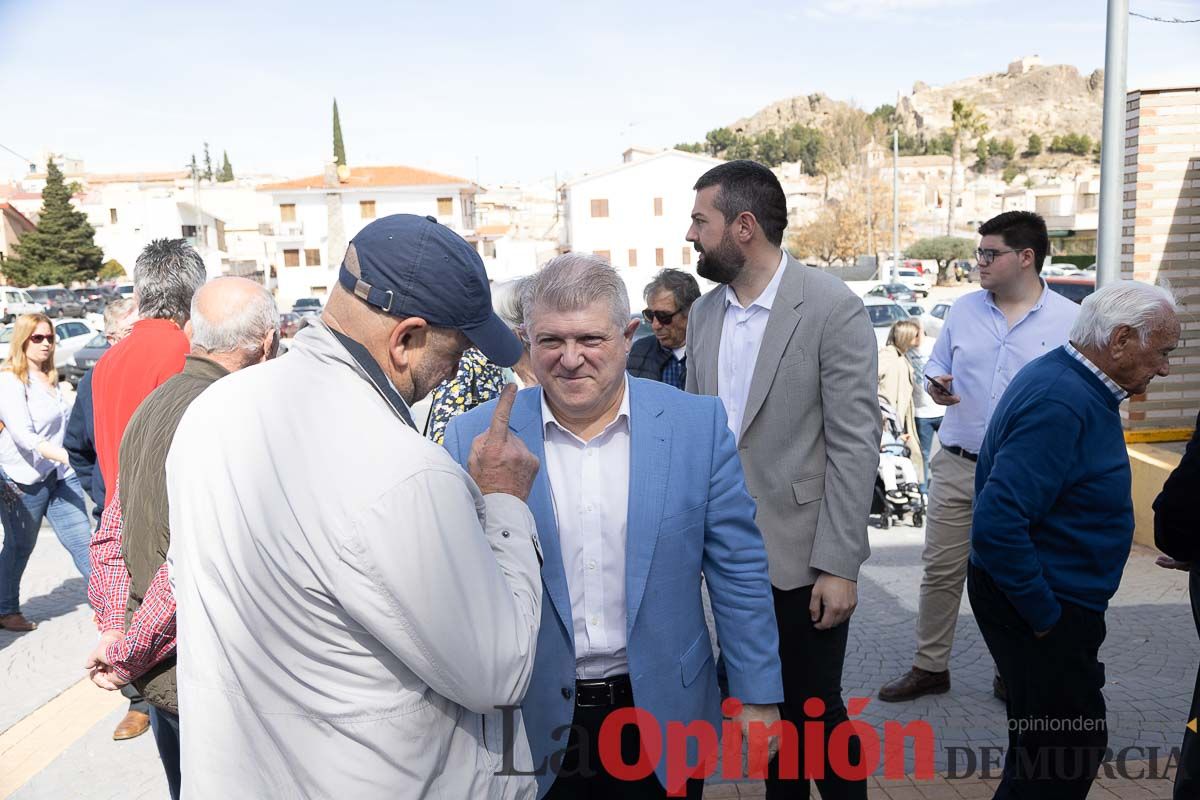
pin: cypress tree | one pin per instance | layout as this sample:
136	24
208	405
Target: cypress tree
339	147
208	172
226	174
62	248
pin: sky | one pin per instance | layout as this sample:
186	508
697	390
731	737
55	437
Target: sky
511	93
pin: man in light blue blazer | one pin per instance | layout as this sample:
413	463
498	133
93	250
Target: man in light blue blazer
640	493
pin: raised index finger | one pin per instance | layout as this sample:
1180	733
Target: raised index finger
499	427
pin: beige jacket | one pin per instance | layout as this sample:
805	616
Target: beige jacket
351	610
896	386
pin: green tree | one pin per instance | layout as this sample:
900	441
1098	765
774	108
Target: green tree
694	147
208	170
941	145
1004	148
1034	147
111	271
1011	172
741	147
768	149
945	250
195	170
226	173
62	248
982	151
719	140
886	114
339	147
966	123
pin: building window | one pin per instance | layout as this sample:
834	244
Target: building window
489	248
312	257
366	209
188	231
291	258
633	258
599	208
658	257
1090	201
687	255
287	212
317	291
112	216
445	206
658	206
605	254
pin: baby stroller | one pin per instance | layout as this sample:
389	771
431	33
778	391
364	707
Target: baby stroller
897	491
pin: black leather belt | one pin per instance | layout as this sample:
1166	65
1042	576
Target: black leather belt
614	691
958	451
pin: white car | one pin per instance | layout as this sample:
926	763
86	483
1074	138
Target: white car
70	335
883	313
1060	270
936	318
14	302
918	282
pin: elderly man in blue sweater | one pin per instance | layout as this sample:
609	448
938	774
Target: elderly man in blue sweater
1052	530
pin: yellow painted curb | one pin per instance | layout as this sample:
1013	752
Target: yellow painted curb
30	746
1158	435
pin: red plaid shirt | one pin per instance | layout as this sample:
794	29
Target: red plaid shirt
150	637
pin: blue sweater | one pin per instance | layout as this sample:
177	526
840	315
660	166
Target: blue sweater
1053	512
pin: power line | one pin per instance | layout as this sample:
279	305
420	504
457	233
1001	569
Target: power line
1173	20
18	155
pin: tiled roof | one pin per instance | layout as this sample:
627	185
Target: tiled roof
363	177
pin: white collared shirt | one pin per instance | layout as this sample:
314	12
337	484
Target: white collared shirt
741	337
589	485
1112	385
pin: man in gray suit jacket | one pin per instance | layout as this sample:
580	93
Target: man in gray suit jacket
791	353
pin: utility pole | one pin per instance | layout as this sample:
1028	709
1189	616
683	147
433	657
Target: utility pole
870	207
1112	153
895	206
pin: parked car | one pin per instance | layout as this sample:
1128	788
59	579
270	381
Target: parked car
95	298
85	358
1073	287
70	336
14	302
307	307
936	318
893	291
289	324
914	279
883	312
59	302
643	329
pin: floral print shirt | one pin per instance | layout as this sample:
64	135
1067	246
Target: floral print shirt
477	381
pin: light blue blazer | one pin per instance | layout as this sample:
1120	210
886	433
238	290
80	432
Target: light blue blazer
689	514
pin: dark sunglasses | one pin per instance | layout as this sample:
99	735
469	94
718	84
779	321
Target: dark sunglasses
38	338
663	317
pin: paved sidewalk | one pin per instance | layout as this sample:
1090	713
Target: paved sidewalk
1151	655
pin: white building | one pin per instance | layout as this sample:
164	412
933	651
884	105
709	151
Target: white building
312	219
636	214
517	228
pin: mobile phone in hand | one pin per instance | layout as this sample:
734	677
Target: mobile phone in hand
941	387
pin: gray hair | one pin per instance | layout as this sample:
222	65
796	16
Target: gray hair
115	311
1138	305
680	284
573	281
166	275
506	301
240	330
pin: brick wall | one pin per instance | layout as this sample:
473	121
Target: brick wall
1160	237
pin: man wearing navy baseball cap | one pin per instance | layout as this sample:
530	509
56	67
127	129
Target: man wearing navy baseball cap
356	605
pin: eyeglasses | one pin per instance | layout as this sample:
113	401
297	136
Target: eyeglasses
38	338
985	257
663	317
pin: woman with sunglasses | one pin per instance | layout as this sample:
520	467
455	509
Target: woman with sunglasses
36	482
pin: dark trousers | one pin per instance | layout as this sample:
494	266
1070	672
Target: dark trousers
136	701
1057	729
165	726
1187	776
811	661
583	776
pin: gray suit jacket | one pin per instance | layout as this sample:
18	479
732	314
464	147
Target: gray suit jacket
810	436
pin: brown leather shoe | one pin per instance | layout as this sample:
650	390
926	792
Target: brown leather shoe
915	683
134	725
16	622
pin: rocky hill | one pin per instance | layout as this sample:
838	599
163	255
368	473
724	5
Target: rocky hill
1026	98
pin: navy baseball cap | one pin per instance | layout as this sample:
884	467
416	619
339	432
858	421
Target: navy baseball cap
412	266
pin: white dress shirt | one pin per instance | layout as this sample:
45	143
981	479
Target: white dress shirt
983	353
741	337
589	485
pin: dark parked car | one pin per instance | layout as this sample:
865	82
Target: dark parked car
1073	287
59	302
307	307
95	298
899	292
85	359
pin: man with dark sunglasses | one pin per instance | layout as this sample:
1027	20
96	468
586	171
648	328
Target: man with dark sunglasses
662	357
